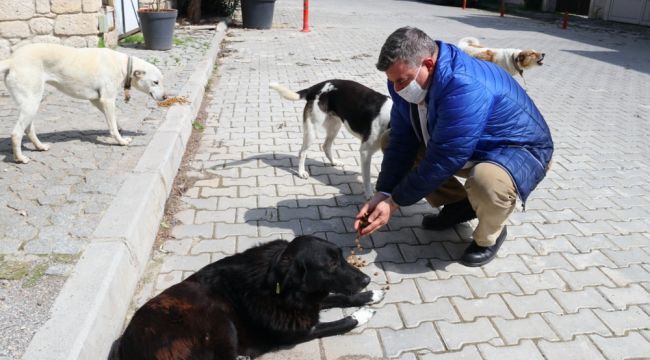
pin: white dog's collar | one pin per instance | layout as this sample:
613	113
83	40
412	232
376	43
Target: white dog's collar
127	81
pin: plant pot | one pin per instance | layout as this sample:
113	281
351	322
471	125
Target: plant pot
158	28
257	14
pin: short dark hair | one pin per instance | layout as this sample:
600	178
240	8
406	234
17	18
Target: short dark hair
408	44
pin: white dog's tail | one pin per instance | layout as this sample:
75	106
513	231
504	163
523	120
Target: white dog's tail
284	92
468	41
4	66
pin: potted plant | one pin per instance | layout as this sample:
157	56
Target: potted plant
157	23
257	14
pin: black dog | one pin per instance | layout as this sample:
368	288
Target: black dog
249	303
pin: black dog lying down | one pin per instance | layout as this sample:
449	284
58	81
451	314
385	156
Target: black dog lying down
249	303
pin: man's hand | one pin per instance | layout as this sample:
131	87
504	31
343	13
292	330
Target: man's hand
380	208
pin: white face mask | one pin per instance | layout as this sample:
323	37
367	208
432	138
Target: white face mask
413	92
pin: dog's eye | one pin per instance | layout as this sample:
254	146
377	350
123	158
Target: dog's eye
333	265
155	82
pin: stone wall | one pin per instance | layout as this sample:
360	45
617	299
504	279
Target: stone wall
67	22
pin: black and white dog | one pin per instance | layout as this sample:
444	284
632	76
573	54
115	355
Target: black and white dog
363	111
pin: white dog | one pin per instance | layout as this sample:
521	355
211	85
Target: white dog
91	74
514	61
332	103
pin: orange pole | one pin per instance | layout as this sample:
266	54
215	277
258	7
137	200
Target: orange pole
464	4
565	20
502	8
305	16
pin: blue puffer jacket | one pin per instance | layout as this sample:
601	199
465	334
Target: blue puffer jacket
476	112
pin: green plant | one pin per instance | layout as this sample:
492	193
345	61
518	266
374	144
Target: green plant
101	43
198	126
224	7
133	39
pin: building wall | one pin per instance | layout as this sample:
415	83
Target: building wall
67	22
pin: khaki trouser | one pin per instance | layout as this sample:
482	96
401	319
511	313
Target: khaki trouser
489	189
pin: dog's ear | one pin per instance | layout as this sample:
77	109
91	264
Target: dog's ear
139	73
293	278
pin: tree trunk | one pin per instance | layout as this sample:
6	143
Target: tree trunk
194	11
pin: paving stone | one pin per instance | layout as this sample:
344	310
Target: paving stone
185	217
415	314
366	343
629	241
412	253
533	327
166	280
403	292
233	203
621	298
185	263
455	336
578	349
628	275
547	246
267	228
503	283
493	305
572	301
403	236
397	272
244	215
516	247
631	346
226	246
625	258
594	258
509	264
582	322
577	280
304	351
208	216
587	244
207	192
386	316
448	269
525	350
624	320
421	337
561	228
469	352
434	289
523	305
311	226
177	246
549	262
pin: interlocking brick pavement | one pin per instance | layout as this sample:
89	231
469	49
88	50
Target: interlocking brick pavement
571	281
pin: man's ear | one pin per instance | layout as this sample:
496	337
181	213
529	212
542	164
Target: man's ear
139	73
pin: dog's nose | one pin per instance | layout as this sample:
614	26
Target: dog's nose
365	280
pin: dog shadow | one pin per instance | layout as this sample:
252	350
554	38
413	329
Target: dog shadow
97	137
402	247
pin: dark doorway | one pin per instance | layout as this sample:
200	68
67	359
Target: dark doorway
578	7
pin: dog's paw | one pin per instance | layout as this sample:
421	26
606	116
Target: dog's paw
377	296
303	174
124	141
337	163
43	147
363	315
21	159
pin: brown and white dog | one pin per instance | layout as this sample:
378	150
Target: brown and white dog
514	61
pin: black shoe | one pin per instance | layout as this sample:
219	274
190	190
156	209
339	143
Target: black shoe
450	215
476	255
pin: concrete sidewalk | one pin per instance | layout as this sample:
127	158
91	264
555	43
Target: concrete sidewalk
78	221
571	282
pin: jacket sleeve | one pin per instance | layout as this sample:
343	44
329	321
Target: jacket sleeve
402	147
462	109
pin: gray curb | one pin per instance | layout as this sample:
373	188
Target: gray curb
89	312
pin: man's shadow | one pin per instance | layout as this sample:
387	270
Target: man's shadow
402	246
